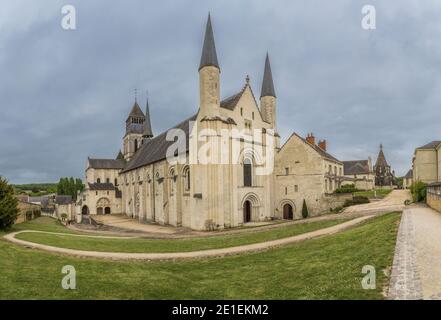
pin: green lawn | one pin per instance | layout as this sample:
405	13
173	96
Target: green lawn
322	268
381	193
44	224
174	245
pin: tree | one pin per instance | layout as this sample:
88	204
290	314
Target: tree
8	205
305	212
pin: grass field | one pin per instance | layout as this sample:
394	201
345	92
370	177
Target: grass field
380	193
322	268
173	245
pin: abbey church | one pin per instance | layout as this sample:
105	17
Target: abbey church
152	180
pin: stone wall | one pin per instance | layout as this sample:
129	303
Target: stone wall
28	211
434	196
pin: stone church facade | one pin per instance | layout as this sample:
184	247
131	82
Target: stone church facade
167	179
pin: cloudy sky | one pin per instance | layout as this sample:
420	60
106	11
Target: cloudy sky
64	95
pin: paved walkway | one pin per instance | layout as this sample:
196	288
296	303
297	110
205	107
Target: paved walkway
394	201
416	271
186	255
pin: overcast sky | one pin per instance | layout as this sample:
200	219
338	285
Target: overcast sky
64	95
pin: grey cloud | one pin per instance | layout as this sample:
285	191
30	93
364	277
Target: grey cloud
66	94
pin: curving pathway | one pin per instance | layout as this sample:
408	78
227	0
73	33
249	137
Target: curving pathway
184	255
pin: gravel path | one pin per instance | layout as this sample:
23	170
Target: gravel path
193	254
416	272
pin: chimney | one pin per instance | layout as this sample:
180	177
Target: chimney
310	138
322	145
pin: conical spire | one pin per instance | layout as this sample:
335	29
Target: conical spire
381	160
120	156
267	83
209	56
147	124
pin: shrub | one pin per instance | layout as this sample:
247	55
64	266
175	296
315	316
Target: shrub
63	216
349	188
8	205
418	190
305	212
356	200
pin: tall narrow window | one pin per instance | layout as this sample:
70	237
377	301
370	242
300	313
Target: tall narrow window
136	145
98	180
186	176
247	173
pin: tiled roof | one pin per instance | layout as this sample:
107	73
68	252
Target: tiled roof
431	145
63	200
101	186
356	167
106	163
155	149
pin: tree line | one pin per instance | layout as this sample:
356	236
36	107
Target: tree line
69	187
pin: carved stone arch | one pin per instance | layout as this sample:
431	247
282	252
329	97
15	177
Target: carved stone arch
250	207
253	198
285	211
251	154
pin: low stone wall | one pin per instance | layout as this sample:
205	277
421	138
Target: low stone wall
434	196
334	200
28	211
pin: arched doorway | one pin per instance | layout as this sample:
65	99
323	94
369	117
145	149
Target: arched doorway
288	212
107	210
99	210
247	211
85	210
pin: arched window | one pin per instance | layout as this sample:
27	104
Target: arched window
172	181
186	175
98	180
247	173
136	145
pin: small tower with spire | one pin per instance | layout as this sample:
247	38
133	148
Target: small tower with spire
134	131
209	75
268	95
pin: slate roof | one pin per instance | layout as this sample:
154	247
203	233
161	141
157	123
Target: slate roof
431	145
106	163
356	167
155	149
381	160
231	102
409	174
147	132
101	186
267	83
319	150
209	56
63	200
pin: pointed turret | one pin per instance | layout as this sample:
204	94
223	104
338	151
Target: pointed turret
209	76
147	124
120	156
267	83
268	95
209	56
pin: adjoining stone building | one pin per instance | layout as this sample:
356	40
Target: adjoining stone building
150	183
426	162
426	167
305	170
408	179
359	173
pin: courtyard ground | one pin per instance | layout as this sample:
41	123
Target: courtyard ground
323	268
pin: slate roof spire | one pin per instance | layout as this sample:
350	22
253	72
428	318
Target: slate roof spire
267	83
209	56
381	160
147	124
